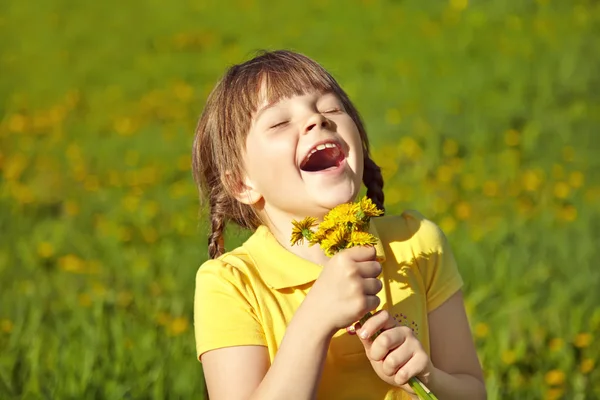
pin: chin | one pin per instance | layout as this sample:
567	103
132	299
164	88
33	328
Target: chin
335	197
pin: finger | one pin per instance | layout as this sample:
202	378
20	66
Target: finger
380	320
372	286
369	269
412	367
396	359
387	343
372	302
361	253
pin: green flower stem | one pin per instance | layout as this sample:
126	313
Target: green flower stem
421	390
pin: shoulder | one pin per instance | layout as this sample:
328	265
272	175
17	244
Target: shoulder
412	227
232	268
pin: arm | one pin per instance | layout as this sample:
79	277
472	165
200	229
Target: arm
244	372
346	289
456	373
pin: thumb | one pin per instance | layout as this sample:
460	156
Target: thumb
362	335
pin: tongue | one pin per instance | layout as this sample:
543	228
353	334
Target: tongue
322	160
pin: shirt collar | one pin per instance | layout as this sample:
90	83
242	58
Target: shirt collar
279	267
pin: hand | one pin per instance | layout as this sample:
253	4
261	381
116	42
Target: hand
395	354
346	289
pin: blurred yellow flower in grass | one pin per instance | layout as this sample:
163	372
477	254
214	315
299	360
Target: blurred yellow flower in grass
450	148
71	263
587	366
556	344
532	180
561	190
582	340
409	148
448	224
85	300
576	179
512	138
554	393
6	325
14	167
462	210
567	213
490	188
554	377
509	357
481	330
459	4
177	326
45	250
125	126
71	208
17	123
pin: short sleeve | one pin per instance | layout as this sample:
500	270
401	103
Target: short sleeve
224	310
438	268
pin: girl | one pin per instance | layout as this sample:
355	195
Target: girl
279	140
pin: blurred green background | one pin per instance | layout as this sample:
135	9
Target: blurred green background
484	116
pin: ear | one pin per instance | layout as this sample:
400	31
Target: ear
245	191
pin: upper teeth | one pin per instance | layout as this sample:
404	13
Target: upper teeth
320	147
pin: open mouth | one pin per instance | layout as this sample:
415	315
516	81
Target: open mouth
322	157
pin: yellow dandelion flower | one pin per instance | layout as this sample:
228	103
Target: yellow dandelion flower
302	230
328	247
358	238
556	344
554	393
177	326
482	330
6	325
341	209
509	357
583	340
586	366
368	208
555	377
322	231
338	237
345	213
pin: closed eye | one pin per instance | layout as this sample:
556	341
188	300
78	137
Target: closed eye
332	111
279	124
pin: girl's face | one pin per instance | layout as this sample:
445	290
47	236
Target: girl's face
304	156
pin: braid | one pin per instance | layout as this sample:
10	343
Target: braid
218	203
373	180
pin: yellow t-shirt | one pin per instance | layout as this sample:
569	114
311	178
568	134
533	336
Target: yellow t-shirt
248	297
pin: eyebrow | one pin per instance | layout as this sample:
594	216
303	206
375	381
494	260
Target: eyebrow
263	109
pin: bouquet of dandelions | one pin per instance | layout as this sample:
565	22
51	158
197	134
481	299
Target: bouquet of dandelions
343	227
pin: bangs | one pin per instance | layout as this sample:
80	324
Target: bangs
272	77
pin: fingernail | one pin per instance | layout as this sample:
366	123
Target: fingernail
350	329
363	334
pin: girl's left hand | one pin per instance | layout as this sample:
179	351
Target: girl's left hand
396	354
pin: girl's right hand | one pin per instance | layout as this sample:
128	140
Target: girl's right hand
347	288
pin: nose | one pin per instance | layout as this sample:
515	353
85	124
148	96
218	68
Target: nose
316	121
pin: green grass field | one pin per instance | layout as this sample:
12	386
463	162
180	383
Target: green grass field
485	117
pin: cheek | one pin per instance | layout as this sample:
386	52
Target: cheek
268	159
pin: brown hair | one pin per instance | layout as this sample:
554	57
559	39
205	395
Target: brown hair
226	120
